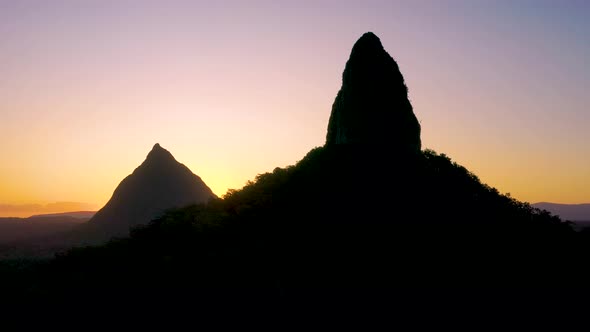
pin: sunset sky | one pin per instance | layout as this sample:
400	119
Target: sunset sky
236	88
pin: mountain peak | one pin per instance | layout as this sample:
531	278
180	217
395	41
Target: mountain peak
158	148
159	153
368	41
369	36
372	106
158	184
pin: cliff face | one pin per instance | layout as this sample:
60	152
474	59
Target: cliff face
372	106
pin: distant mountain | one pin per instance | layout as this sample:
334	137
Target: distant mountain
17	230
158	184
77	214
572	212
31	209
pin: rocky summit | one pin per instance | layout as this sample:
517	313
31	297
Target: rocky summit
158	184
372	106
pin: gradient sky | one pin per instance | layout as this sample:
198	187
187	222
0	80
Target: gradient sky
236	88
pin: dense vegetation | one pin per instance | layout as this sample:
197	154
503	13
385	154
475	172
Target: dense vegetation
342	217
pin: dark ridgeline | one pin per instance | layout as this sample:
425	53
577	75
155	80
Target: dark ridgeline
84	215
572	212
368	209
372	106
21	230
158	184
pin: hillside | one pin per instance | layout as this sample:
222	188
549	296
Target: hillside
335	220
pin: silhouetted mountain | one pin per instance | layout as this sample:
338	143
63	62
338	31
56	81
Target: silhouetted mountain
354	213
158	184
372	106
572	212
76	214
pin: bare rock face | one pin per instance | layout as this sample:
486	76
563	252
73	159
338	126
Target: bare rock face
372	106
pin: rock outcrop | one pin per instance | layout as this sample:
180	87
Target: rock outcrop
158	184
372	106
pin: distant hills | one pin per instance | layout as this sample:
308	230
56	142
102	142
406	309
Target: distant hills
27	210
572	212
86	215
18	230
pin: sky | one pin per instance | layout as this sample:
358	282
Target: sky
236	88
